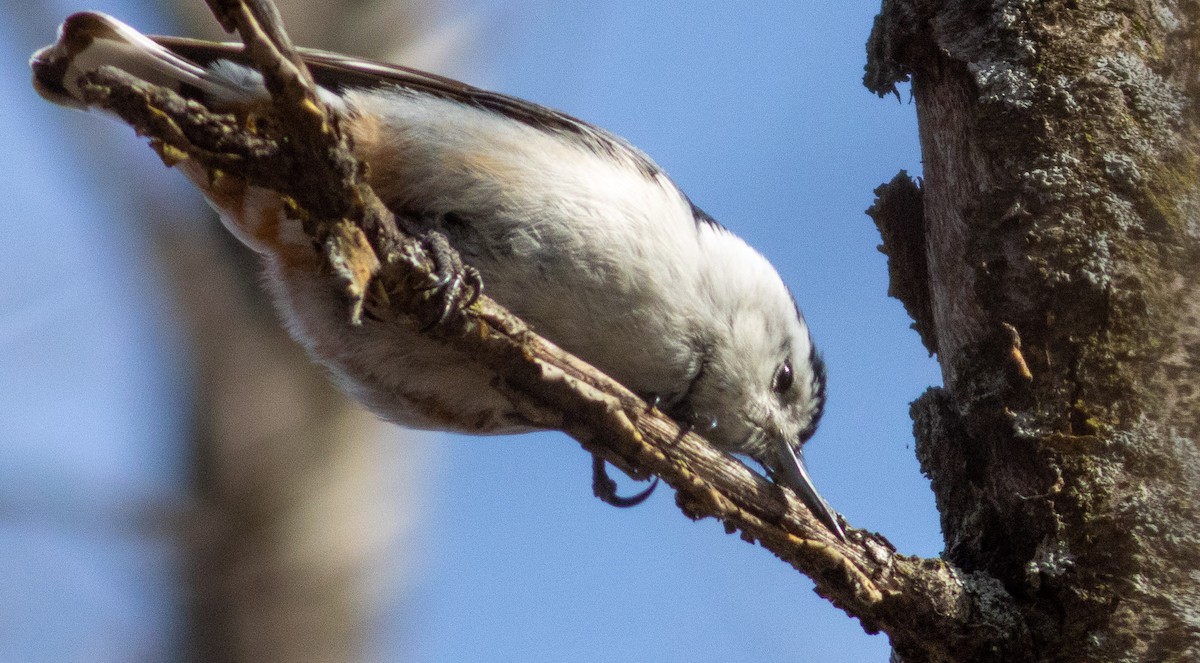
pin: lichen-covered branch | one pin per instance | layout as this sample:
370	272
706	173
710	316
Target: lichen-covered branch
297	149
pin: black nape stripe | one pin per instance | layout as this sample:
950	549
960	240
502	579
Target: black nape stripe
819	379
703	217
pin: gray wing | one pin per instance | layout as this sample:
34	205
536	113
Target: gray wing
338	72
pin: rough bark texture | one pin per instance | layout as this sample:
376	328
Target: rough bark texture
1061	237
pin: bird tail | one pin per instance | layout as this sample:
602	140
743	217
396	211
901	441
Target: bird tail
88	41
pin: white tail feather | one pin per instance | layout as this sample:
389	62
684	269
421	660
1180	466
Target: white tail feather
90	40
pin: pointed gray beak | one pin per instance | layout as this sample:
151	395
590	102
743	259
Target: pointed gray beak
795	475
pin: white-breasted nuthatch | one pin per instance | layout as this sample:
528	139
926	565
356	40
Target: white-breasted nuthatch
577	232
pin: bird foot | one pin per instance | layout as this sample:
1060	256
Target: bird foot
455	285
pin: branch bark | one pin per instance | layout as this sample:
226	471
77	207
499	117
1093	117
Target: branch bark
296	148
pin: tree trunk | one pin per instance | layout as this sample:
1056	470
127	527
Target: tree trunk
1054	270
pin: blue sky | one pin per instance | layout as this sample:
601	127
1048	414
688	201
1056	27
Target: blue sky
758	113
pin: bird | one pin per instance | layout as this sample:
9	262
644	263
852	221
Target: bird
573	229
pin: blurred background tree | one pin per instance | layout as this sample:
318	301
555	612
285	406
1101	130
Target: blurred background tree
294	545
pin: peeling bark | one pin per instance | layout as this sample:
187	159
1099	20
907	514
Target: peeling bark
899	214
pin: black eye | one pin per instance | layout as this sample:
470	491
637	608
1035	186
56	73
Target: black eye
783	377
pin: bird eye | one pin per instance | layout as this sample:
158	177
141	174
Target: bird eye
783	377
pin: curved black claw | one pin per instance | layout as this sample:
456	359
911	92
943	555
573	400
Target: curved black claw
456	285
606	489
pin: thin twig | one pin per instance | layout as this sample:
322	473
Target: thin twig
315	167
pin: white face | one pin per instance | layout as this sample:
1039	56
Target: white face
763	389
761	381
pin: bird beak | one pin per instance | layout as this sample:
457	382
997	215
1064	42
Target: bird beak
791	464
